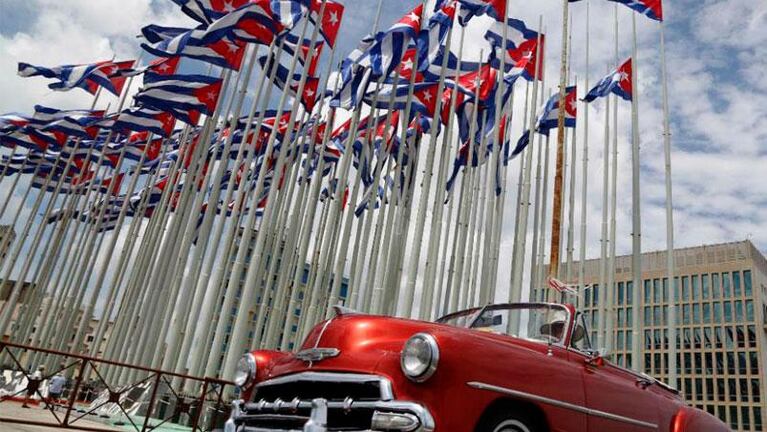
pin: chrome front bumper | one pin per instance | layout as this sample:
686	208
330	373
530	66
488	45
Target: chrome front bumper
387	415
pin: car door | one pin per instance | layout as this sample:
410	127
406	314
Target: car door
618	399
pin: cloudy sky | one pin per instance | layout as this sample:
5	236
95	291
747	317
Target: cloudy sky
717	55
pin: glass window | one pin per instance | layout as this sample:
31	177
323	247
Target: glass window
751	336
757	418
657	315
587	297
755	396
647	315
595	290
715	288
726	290
729	338
733	415
629	299
647	291
742	366
686	314
685	288
720	389
732	386
731	363
687	364
719	365
736	284
687	338
695	287
621	293
629	319
648	339
708	337
747	283
656	339
696	334
719	338
620	318
657	290
750	310
619	341
717	312
705	286
739	311
706	313
727	312
696	313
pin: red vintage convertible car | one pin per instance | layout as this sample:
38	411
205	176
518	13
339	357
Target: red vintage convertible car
499	368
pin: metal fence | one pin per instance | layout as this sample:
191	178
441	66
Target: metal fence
99	395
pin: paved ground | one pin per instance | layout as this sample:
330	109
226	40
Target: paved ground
14	410
38	413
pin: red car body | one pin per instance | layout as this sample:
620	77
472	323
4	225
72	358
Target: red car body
479	375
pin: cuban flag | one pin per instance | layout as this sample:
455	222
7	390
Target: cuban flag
521	42
160	66
431	39
308	96
193	10
291	44
81	126
549	119
386	53
88	77
472	8
173	41
143	119
12	121
617	81
652	9
424	98
330	22
258	22
185	96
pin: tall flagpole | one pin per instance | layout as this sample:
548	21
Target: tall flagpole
585	172
609	293
636	261
559	180
517	273
601	292
671	300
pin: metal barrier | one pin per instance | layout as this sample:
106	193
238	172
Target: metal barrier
102	393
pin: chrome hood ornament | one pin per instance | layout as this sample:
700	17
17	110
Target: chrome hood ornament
314	355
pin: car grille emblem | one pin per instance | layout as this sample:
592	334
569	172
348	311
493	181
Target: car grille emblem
314	355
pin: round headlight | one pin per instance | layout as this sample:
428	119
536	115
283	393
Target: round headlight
246	370
420	357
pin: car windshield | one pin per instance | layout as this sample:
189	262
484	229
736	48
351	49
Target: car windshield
539	322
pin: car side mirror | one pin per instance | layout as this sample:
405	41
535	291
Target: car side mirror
597	357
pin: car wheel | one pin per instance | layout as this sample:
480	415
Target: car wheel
505	422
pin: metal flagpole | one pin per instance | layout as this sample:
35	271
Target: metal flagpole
515	285
185	273
559	176
636	260
585	171
523	168
604	238
609	288
541	284
671	299
244	315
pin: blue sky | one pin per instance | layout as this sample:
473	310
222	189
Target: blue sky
717	52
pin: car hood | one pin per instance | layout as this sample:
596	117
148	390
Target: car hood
372	344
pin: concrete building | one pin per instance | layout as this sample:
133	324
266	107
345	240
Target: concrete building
721	301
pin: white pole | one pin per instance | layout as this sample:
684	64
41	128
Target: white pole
636	261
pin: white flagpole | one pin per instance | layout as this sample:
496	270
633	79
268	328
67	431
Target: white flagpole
515	285
636	261
671	299
609	287
602	292
585	171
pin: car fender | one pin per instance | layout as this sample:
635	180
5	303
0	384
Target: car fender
689	419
